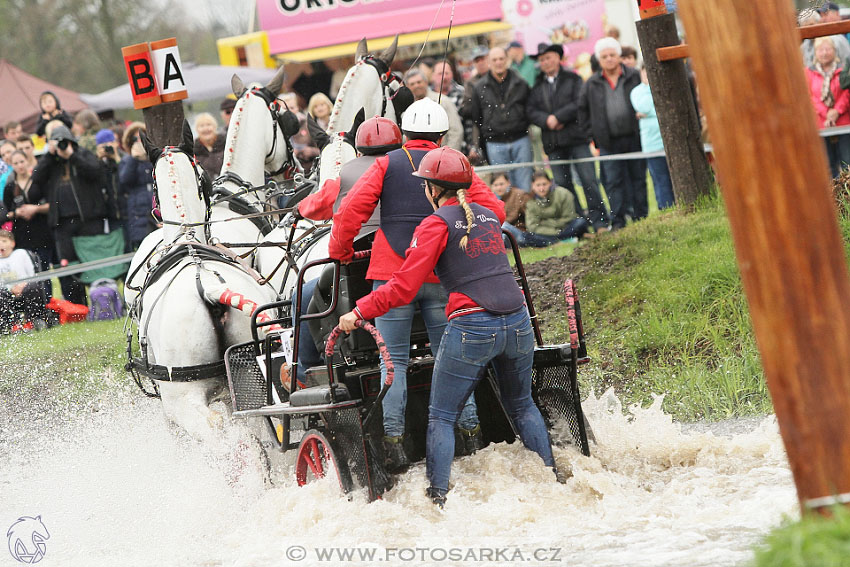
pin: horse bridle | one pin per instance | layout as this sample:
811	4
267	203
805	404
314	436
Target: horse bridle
202	178
386	76
274	106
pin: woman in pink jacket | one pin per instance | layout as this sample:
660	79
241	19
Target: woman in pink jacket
831	102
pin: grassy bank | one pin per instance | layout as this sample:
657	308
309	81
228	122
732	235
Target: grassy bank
665	314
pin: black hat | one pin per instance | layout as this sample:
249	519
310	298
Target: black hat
829	6
545	47
228	104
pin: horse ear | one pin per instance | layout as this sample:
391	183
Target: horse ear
318	135
187	144
388	54
362	50
152	151
276	84
237	85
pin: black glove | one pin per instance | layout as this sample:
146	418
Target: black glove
351	135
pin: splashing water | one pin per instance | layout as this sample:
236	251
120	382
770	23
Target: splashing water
118	486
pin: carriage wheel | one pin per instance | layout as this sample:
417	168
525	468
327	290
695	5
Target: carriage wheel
317	459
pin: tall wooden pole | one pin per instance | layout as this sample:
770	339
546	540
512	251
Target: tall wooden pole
777	191
677	113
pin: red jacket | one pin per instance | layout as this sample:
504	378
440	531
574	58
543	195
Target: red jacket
320	205
360	202
417	268
842	97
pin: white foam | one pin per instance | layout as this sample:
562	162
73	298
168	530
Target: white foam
119	486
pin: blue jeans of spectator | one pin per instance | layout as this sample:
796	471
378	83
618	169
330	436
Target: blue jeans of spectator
395	326
518	235
470	343
838	152
518	151
625	181
596	213
574	229
661	181
308	355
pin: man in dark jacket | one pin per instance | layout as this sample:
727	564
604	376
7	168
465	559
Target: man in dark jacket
606	111
553	106
496	103
71	179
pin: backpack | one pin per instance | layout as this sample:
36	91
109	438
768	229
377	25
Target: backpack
105	300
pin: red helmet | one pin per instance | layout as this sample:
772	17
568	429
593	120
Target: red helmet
377	136
446	167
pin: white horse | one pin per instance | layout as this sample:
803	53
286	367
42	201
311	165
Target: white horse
368	86
257	143
195	302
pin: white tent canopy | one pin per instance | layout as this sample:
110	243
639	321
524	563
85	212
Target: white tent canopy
204	82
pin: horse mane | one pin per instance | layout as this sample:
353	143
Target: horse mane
340	97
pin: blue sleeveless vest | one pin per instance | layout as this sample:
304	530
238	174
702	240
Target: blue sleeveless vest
403	201
481	271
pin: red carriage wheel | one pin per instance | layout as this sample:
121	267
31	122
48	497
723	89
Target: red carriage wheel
317	458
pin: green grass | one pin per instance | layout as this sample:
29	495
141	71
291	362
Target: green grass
814	541
664	312
75	360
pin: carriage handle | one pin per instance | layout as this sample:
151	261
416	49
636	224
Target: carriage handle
382	349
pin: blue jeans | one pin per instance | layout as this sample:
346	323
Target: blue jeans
838	152
625	181
395	327
574	229
597	214
308	355
518	151
518	235
661	181
470	343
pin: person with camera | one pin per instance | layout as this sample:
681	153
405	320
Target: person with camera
135	174
70	178
109	153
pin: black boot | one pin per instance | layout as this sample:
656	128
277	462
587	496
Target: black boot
468	441
396	459
437	496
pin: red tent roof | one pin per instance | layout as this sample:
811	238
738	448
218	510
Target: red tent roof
19	92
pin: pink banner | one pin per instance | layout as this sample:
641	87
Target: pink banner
576	24
351	20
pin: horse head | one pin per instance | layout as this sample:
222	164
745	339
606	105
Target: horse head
182	187
259	126
367	84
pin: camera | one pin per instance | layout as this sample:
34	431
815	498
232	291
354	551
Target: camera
109	150
63	144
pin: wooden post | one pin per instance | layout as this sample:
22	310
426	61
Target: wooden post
677	113
777	191
164	123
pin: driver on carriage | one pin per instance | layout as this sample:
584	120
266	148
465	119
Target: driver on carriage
488	318
390	183
375	137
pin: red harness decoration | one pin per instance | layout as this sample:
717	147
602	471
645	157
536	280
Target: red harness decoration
247	306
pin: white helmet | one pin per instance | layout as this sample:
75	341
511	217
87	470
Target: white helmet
425	116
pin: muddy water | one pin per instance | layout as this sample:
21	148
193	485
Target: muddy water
114	485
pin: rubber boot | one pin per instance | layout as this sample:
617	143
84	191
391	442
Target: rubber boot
468	441
395	456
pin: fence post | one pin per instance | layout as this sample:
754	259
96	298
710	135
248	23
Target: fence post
777	191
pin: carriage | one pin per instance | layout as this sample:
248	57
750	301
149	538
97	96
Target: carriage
333	419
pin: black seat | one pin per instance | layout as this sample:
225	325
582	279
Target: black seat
318	396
